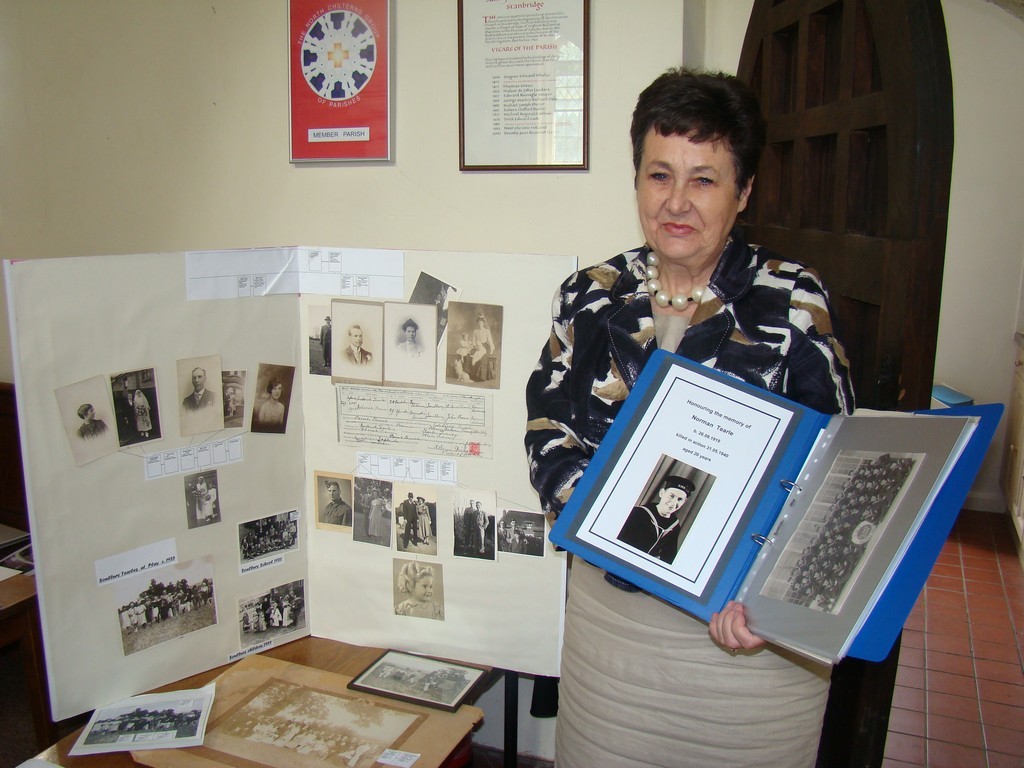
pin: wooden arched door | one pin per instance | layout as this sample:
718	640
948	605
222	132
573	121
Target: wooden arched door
855	182
855	177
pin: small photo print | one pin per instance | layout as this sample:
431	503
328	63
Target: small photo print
411	357
202	505
266	616
416	519
839	532
234	398
163	604
666	510
473	355
273	393
88	419
419	679
136	406
320	331
419	589
473	524
333	500
268	536
199	387
431	290
373	511
357	338
521	533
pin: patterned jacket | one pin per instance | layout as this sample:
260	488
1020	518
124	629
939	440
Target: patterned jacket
769	323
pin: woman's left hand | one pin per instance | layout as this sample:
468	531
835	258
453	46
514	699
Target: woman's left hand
728	628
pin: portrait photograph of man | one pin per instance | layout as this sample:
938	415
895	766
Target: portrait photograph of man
334	500
665	511
199	390
356	338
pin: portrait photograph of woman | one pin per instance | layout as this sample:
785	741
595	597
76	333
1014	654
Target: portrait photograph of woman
273	393
474	344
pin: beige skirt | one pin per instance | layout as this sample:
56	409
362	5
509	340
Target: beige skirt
642	684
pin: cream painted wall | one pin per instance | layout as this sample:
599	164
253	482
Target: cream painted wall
134	126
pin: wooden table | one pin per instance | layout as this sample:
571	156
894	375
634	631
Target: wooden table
319	653
19	624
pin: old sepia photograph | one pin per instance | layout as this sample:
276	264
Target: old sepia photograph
273	395
473	528
419	679
268	536
473	356
419	589
521	533
431	290
199	391
166	603
416	519
373	511
88	419
357	337
233	383
837	534
268	615
410	358
202	504
320	331
283	723
136	406
333	500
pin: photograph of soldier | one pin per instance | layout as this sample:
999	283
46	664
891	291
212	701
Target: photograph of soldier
334	500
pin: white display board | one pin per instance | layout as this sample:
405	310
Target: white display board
114	522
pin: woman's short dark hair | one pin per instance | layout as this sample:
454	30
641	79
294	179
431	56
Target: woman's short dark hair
702	106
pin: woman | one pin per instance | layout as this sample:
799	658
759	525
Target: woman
271	413
642	682
143	422
482	346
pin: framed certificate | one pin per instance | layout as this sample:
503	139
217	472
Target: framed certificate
339	80
523	85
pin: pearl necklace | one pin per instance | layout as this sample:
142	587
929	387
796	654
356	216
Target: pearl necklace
661	297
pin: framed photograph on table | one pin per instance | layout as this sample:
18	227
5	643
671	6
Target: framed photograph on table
339	80
523	85
420	680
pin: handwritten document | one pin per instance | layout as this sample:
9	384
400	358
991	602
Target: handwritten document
414	421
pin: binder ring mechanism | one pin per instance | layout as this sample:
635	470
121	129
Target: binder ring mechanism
760	539
790	486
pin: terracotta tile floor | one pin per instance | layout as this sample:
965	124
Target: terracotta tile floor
959	698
